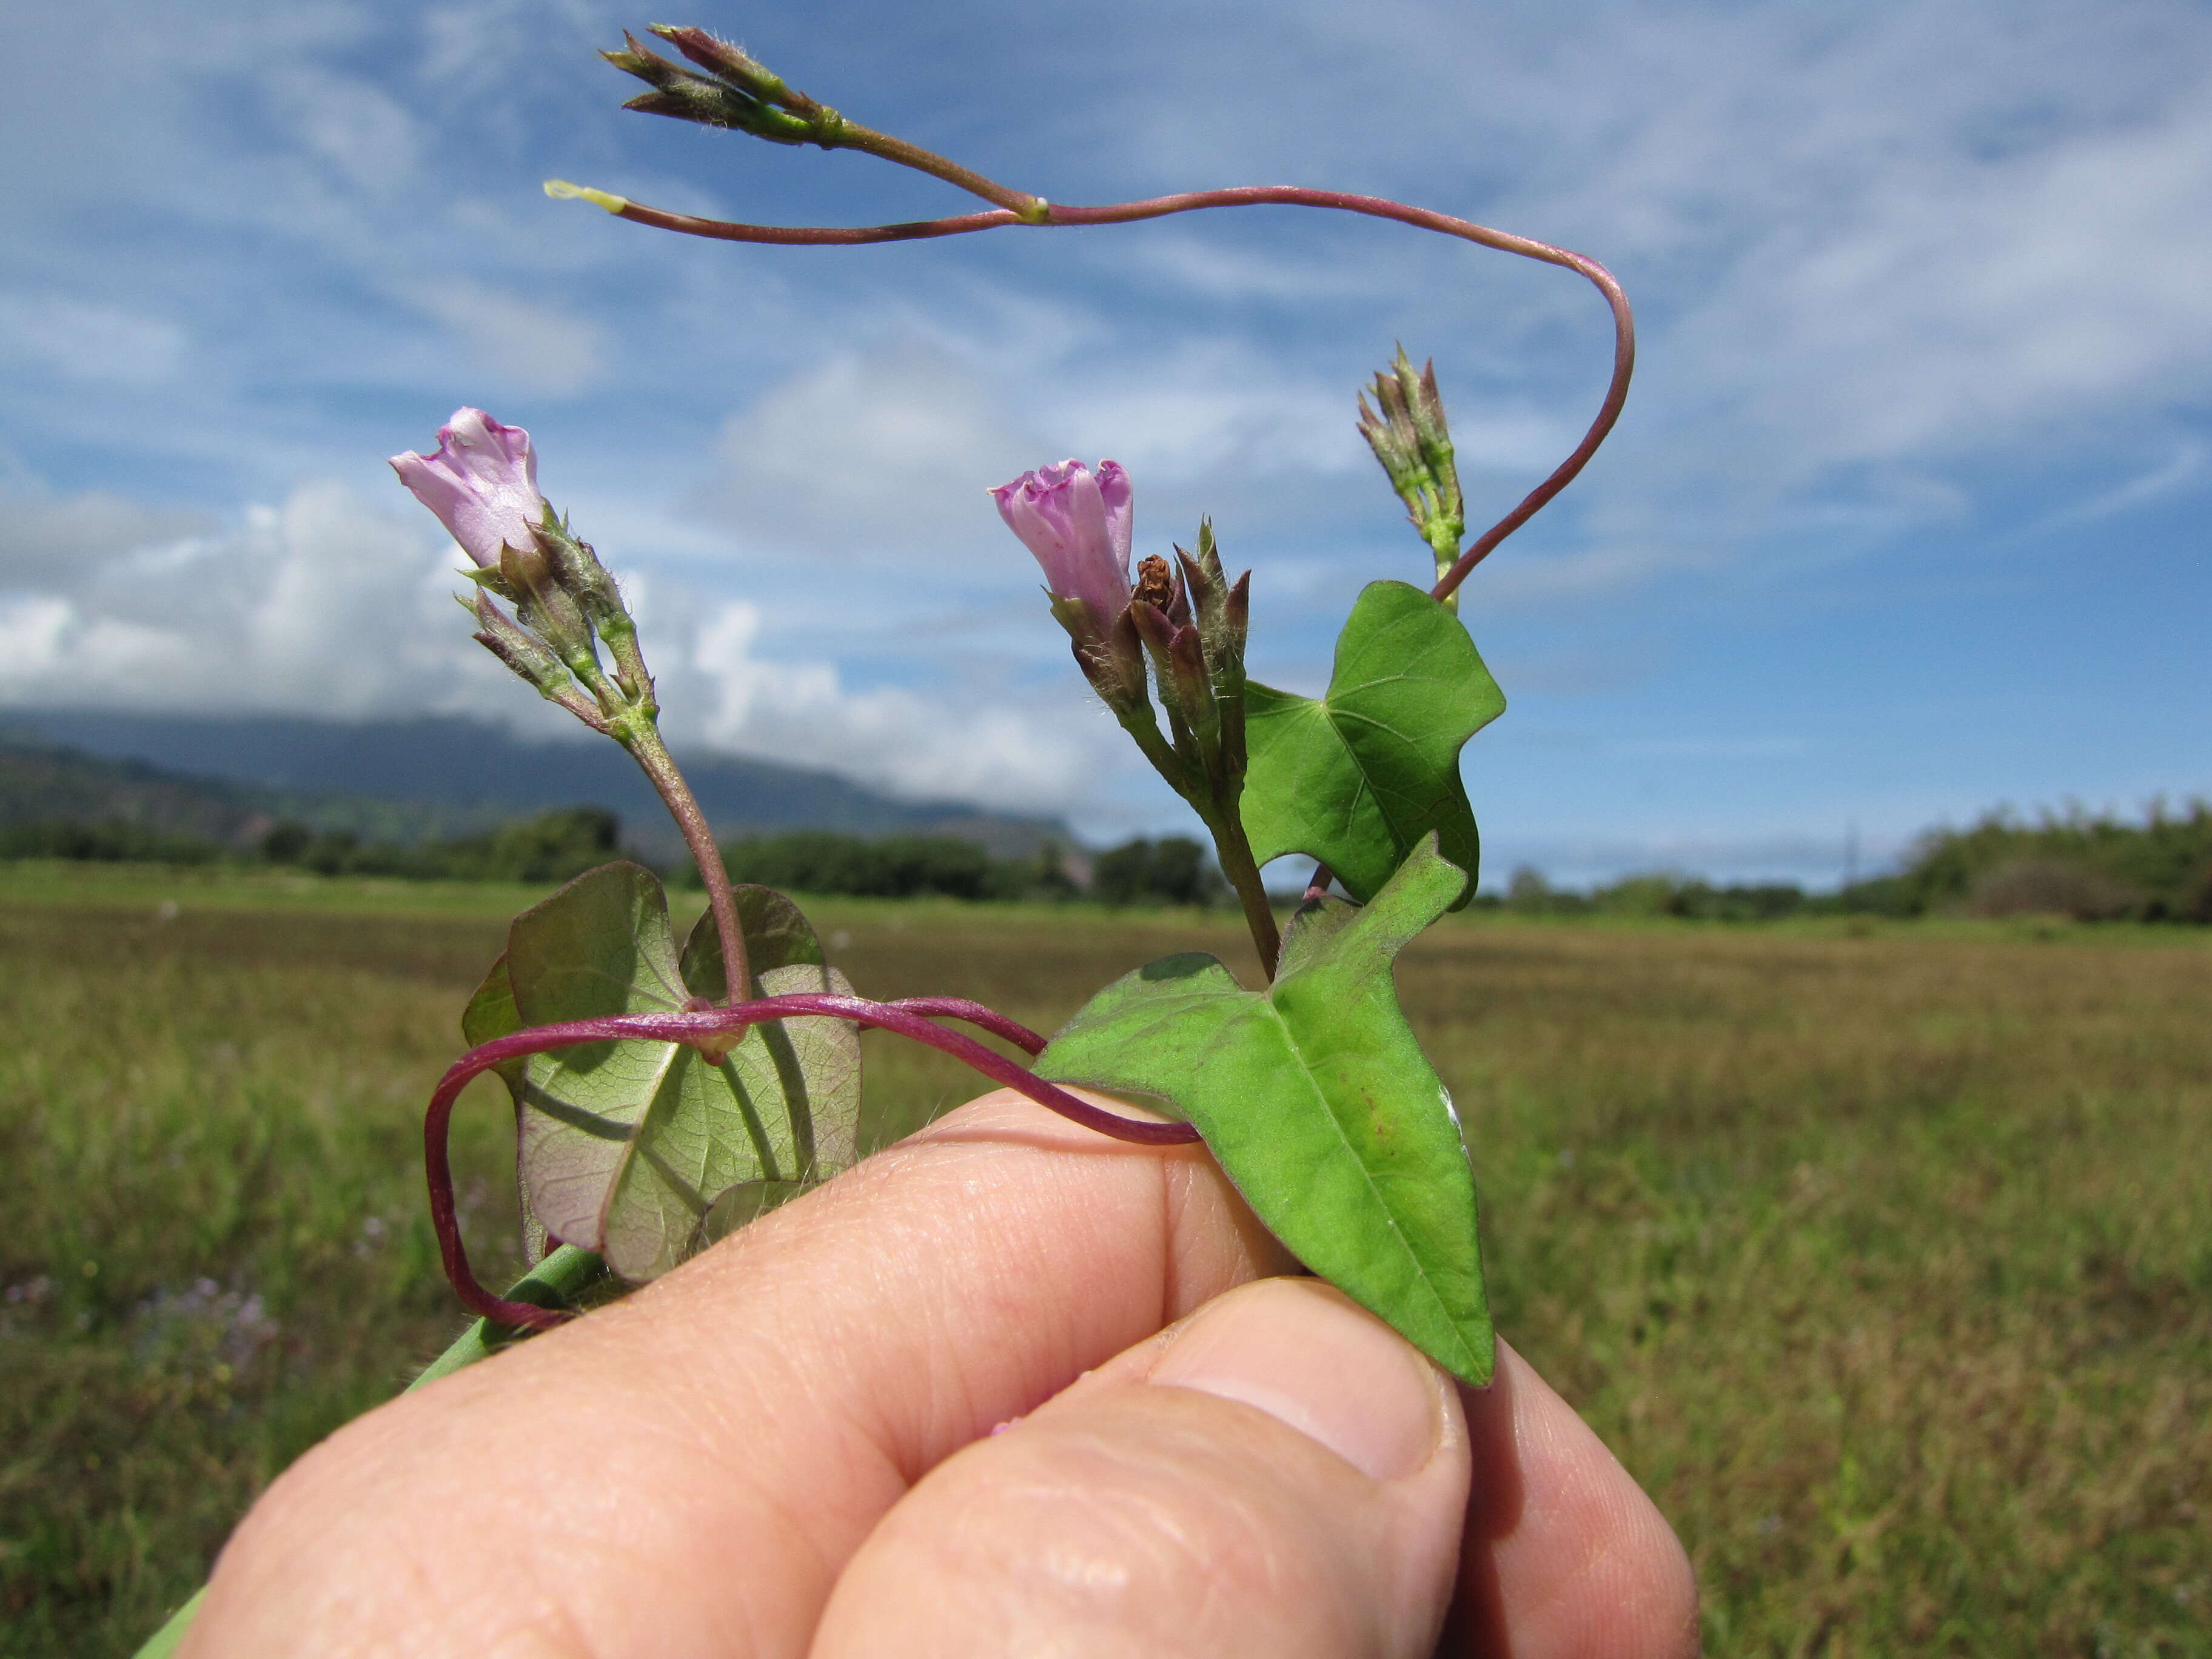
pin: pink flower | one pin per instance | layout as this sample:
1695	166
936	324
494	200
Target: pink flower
481	483
1077	526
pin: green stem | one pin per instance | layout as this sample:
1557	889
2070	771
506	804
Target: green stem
553	1283
642	740
164	1642
853	136
1235	852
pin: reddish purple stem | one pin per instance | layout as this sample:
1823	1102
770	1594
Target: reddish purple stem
911	1016
1623	322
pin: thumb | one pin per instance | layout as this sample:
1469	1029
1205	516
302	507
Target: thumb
1278	1475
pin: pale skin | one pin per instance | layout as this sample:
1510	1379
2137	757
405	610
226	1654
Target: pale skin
787	1447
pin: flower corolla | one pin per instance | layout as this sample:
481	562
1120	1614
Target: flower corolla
481	483
1077	525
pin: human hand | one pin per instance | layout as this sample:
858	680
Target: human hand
787	1447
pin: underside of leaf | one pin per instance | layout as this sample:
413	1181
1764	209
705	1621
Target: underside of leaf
627	1146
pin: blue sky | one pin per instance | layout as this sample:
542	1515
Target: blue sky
1907	516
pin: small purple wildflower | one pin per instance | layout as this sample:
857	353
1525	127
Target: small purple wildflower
481	483
1077	525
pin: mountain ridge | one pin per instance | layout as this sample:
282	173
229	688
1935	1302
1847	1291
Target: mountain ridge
419	777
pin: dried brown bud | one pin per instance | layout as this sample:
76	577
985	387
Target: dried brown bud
1155	583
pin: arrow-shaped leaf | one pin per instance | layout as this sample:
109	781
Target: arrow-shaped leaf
1359	777
626	1146
1319	1103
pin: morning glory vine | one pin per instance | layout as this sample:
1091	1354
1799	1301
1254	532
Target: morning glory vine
666	1094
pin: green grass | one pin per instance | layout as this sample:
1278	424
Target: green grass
1878	1252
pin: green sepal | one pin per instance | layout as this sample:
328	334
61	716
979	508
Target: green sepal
1319	1103
1359	777
626	1146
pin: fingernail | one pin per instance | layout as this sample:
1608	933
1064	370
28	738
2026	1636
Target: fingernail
1304	1354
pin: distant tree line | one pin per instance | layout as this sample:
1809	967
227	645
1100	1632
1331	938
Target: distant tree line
550	847
553	847
1173	870
2089	868
2093	868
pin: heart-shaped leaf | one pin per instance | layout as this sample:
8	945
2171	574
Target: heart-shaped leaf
1359	777
626	1146
1319	1103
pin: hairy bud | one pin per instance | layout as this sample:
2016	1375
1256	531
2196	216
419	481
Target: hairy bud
1410	438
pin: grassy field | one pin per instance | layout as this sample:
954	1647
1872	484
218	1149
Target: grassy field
1880	1253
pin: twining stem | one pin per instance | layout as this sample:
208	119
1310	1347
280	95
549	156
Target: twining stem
642	740
1015	208
911	1017
1056	215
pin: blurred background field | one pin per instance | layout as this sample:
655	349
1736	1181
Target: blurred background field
1878	1250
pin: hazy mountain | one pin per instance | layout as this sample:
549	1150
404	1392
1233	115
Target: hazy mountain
407	778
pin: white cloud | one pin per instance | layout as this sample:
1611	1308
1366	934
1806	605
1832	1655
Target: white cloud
324	606
1961	304
319	606
1941	237
88	341
360	131
1036	754
884	453
533	348
60	543
2183	468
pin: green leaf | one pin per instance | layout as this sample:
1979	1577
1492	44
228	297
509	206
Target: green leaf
491	1014
1356	778
626	1146
1319	1103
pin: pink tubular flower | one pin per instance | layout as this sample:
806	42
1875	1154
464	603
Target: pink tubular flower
481	483
1077	526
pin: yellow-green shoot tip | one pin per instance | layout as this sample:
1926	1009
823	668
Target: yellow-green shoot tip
562	191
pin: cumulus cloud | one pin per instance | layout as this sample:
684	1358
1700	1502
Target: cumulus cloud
324	606
61	543
1001	751
320	606
1971	301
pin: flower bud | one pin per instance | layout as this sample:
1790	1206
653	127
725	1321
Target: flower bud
1410	439
1077	527
498	634
740	99
730	63
481	483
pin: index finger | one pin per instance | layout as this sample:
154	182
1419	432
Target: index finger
689	1470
